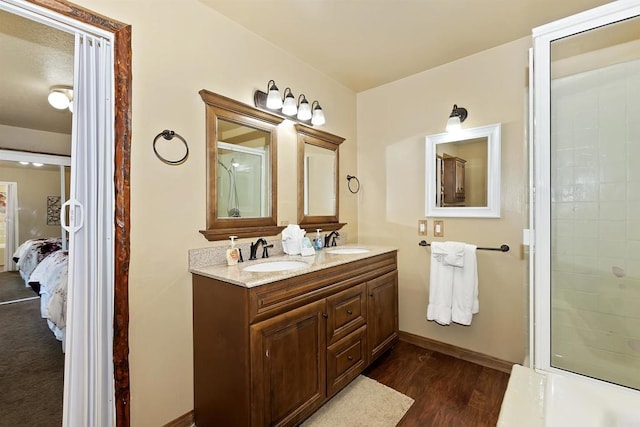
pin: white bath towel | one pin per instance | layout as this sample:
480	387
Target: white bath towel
440	284
465	288
449	253
453	283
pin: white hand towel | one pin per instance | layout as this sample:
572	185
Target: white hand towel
440	285
465	288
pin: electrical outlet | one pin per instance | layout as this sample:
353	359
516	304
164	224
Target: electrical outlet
422	227
438	228
284	223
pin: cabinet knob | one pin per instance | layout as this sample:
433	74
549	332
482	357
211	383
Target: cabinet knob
325	315
350	357
349	312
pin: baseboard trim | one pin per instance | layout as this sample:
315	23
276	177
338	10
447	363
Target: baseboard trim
185	420
457	352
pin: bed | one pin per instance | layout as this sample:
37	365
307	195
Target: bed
30	253
50	278
43	265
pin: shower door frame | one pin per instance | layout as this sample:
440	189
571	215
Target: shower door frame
540	187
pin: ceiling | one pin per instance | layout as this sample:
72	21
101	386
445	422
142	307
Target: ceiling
359	43
35	57
366	43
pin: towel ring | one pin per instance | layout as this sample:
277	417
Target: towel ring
349	178
168	135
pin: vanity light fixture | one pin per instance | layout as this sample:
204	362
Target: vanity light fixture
457	116
274	102
61	97
317	117
288	108
304	110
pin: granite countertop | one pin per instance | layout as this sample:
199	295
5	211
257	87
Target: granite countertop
322	259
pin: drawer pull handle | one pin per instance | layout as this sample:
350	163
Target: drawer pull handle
349	312
325	315
350	357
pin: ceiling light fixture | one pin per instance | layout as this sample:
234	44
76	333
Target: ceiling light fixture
61	97
457	116
288	108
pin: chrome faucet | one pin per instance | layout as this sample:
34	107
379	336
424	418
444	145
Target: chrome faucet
254	248
328	241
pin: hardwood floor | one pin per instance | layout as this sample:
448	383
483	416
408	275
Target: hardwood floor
447	391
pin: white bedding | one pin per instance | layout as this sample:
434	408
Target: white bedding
30	253
52	275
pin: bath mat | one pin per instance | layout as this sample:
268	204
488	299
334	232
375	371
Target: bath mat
364	402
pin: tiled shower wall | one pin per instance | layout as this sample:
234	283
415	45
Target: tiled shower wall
596	223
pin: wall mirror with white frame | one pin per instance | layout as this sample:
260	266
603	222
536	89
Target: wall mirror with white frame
462	173
318	194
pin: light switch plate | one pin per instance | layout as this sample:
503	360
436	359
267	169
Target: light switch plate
438	228
422	227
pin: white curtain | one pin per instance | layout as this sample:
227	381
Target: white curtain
89	388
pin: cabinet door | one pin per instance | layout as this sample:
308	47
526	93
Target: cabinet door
382	317
288	365
460	180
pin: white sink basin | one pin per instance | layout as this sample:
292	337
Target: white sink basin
348	251
272	266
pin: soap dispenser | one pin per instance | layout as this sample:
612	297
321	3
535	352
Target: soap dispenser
233	253
317	243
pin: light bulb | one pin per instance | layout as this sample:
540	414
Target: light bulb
304	109
318	115
453	124
58	99
289	106
274	102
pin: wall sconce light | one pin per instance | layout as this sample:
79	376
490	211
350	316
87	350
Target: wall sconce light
457	116
61	97
288	108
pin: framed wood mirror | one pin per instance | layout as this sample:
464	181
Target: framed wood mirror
318	194
241	169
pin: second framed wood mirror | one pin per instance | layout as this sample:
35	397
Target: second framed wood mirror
318	191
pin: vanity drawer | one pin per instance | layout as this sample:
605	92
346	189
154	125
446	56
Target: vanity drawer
346	359
346	312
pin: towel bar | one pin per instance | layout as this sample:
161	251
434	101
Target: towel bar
502	248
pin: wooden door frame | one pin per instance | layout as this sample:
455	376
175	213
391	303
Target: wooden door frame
122	159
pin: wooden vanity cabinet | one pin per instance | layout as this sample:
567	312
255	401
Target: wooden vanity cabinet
273	354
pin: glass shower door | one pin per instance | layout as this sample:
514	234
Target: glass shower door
592	201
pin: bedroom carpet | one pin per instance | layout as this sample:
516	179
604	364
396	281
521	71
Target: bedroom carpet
31	368
364	402
12	287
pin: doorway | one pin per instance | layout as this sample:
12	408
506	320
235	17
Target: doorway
80	398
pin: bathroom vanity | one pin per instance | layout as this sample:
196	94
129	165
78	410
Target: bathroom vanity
271	347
